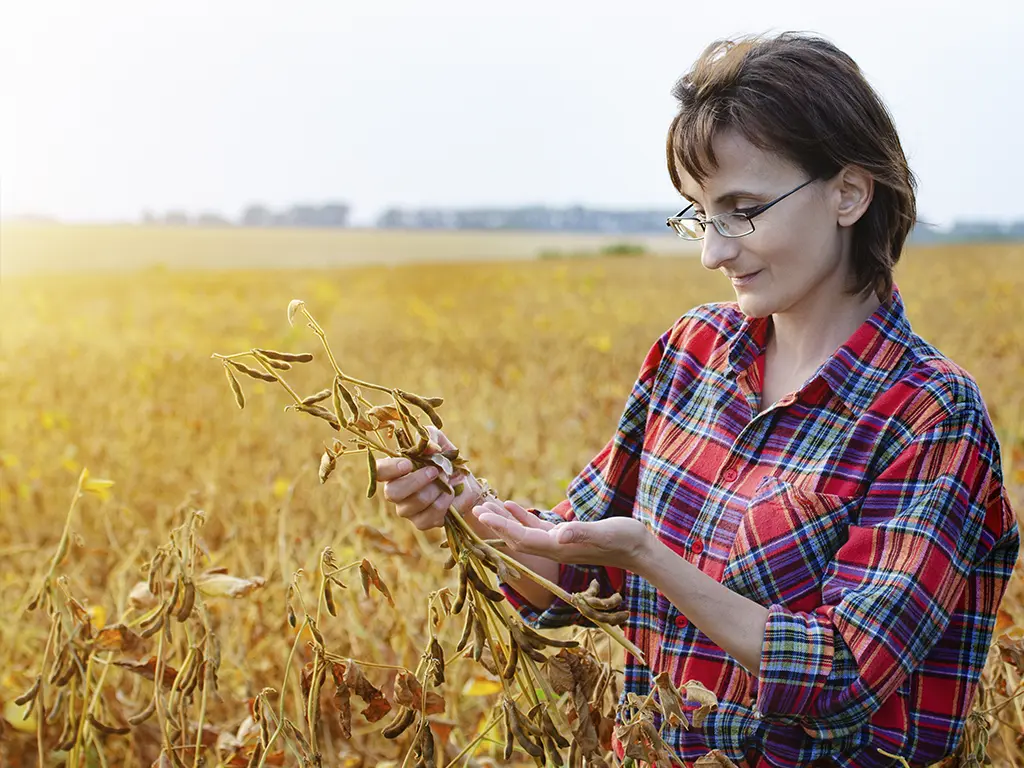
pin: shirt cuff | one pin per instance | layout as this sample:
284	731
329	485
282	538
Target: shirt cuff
796	661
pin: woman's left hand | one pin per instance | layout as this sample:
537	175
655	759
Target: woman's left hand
619	542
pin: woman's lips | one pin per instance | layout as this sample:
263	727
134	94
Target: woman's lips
746	279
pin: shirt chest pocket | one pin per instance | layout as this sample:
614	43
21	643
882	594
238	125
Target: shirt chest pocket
785	541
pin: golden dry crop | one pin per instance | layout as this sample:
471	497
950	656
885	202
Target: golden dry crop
534	359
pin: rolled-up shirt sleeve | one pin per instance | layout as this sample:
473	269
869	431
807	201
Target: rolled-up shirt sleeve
928	519
606	487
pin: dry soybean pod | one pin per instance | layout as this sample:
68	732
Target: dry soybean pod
509	670
467	630
188	600
347	397
540	639
329	598
528	646
31	693
278	364
426	744
371	464
336	401
327	465
323	394
479	639
481	586
108	729
261	375
437	656
402	720
509	739
460	599
58	702
287	357
140	717
236	388
320	413
423	405
532	748
609	603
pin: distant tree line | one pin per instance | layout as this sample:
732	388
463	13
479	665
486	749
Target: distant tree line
536	218
327	215
651	222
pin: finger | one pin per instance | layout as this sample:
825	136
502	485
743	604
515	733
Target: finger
526	517
440	438
399	490
492	507
444	442
466	495
572	534
389	468
433	516
422	500
521	538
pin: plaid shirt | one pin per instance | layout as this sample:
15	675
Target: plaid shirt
866	511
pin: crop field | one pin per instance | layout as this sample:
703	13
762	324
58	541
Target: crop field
108	388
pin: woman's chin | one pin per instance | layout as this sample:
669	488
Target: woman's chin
752	305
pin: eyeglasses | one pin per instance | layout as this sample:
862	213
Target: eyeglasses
731	224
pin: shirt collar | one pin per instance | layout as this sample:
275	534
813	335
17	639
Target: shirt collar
855	372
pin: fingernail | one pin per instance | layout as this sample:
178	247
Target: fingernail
432	473
404	465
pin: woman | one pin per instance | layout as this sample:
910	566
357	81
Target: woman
802	504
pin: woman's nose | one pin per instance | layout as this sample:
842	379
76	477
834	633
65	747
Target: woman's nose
716	249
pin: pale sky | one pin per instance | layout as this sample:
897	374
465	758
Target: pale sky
107	108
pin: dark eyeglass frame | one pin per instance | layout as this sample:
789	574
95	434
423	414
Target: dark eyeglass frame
748	214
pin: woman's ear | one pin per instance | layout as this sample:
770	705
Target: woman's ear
856	188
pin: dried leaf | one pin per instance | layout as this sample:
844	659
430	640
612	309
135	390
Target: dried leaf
695	691
441	461
409	693
116	637
343	700
223	585
559	673
384	413
293	307
141	598
376	705
714	759
370	573
1011	650
481	686
671	701
147	669
98	487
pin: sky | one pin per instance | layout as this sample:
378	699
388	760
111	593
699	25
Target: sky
109	108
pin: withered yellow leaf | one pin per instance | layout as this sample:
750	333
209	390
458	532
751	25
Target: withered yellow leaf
481	686
224	585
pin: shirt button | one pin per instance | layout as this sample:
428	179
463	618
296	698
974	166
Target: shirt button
697	547
730	475
681	621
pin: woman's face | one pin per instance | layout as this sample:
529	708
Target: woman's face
797	246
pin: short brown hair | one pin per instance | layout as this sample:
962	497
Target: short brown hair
799	95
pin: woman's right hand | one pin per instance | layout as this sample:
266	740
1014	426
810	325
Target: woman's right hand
415	494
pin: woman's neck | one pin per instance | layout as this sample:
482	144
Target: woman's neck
807	334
